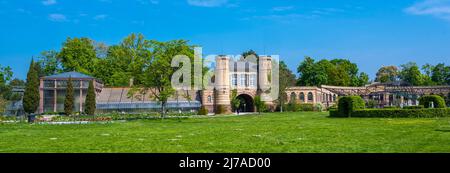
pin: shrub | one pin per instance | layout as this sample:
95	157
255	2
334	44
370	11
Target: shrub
220	109
390	107
438	101
292	107
203	111
348	104
371	104
306	107
401	113
414	107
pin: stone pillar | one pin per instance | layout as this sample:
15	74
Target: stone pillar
41	95
55	99
222	83
265	70
81	96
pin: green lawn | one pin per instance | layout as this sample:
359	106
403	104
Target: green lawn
273	133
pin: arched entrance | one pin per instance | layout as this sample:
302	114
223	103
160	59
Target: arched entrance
247	104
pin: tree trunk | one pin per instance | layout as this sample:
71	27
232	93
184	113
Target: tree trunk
163	110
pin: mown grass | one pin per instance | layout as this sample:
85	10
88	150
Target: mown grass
269	133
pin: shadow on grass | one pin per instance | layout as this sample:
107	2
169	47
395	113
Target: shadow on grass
442	130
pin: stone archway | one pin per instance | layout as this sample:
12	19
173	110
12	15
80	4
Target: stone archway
247	103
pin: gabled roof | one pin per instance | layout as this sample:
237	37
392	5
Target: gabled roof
67	75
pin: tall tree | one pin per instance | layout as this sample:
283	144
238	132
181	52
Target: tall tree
410	73
124	61
70	99
90	99
31	95
440	73
340	72
259	104
387	74
78	54
158	71
286	79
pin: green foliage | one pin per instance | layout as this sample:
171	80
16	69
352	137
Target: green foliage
371	104
437	100
387	74
306	107
414	107
220	109
49	63
203	111
259	104
411	73
390	107
348	104
401	113
69	100
286	79
235	102
78	54
157	74
339	72
31	95
90	99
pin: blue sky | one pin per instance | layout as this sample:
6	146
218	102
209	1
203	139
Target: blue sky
370	33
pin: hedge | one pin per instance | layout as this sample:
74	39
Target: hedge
414	107
438	101
348	104
401	113
307	107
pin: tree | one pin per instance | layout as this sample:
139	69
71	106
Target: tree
158	71
90	99
311	74
339	72
5	77
286	79
363	79
259	104
440	74
387	74
78	54
410	73
49	63
235	101
69	100
31	95
124	61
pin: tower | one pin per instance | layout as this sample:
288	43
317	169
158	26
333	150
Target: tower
265	80
222	84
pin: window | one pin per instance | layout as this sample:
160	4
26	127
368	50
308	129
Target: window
242	80
234	79
253	80
302	97
209	99
310	97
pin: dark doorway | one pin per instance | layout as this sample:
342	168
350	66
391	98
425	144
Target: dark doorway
246	103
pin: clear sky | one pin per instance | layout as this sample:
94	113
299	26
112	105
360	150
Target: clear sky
370	33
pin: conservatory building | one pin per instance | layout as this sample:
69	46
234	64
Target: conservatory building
53	91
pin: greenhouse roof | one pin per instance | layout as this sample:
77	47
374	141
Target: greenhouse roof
67	75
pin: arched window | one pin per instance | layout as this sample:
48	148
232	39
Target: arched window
293	97
310	97
302	97
209	99
334	97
